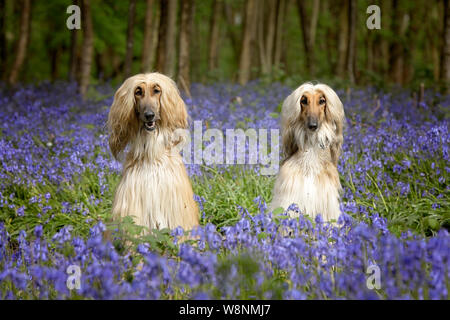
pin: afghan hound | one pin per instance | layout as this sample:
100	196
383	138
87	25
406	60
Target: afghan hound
148	115
312	123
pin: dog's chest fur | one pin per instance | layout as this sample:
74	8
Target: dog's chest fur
155	187
310	180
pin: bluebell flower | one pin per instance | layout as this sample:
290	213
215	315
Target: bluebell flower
21	211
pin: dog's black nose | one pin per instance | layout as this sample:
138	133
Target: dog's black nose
312	124
149	115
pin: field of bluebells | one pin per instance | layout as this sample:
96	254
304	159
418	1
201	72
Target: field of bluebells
57	181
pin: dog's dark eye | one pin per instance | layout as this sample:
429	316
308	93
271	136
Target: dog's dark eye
156	90
138	91
322	101
304	100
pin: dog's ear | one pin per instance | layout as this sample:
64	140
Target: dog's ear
122	121
335	109
289	145
336	145
173	110
289	112
334	115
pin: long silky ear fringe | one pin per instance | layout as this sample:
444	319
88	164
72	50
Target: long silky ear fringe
289	145
336	116
289	111
122	124
173	110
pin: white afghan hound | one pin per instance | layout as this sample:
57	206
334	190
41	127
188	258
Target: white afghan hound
312	123
148	114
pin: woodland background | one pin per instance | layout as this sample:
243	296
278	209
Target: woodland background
227	40
58	177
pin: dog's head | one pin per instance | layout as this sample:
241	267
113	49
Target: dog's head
312	109
147	96
144	102
311	115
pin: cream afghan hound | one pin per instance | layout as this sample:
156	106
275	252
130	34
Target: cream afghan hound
148	115
312	123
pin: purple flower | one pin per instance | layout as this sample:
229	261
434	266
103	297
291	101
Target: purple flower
21	211
38	230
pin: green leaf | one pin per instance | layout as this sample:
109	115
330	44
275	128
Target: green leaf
432	223
274	115
262	235
278	211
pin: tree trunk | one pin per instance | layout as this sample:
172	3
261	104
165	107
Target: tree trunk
305	32
343	39
162	36
170	65
261	46
2	39
153	51
385	54
87	46
167	37
73	55
411	31
313	26
234	37
255	62
100	59
395	59
370	51
351	51
246	53
369	37
403	60
435	43
281	6
214	35
309	32
330	45
187	15
55	54
266	45
376	53
285	44
116	63
445	54
270	36
149	34
24	34
130	39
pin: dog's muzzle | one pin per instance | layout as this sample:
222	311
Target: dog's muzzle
150	120
313	124
150	125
